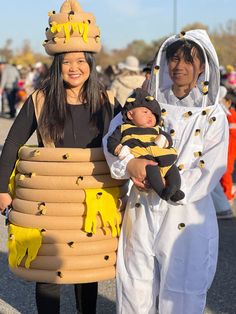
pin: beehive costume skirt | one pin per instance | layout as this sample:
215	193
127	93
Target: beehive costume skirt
65	223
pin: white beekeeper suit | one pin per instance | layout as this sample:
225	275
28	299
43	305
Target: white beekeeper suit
167	251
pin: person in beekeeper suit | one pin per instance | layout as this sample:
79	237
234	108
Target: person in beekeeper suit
168	251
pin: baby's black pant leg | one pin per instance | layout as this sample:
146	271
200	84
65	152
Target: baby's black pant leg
155	179
173	182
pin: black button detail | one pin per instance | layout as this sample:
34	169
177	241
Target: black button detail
181	226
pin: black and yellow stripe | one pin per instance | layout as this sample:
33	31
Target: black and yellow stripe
142	144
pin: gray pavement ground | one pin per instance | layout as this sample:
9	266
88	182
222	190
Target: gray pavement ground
17	296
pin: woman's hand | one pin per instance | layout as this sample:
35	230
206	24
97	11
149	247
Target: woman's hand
137	171
5	200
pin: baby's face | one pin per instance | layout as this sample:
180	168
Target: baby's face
142	117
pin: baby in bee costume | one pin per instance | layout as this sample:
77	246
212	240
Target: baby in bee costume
141	134
64	225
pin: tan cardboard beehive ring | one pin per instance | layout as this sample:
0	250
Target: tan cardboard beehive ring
50	222
65	196
66	277
73	262
59	168
54	209
66	182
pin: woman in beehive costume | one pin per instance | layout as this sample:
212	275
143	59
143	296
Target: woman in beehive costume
167	252
64	222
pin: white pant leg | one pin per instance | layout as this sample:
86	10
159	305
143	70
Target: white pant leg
137	270
219	199
136	296
181	303
186	249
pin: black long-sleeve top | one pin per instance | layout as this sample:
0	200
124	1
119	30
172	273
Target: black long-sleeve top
78	133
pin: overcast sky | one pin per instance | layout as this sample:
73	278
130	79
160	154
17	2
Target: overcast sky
120	21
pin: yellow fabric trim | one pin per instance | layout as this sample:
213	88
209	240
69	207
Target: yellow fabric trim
12	185
146	138
164	170
104	203
154	151
159	151
143	138
126	126
23	242
81	27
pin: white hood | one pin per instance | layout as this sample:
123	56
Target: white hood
211	74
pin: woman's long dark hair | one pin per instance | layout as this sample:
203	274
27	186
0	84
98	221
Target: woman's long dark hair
54	111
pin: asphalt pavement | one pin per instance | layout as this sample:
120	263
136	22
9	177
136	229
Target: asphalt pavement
17	296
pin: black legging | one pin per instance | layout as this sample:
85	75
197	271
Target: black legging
48	298
11	98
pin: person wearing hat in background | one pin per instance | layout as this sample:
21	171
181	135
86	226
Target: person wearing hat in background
142	136
75	114
167	252
129	79
9	77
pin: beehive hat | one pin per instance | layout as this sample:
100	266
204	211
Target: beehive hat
71	30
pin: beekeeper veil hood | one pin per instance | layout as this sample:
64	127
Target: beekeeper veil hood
209	80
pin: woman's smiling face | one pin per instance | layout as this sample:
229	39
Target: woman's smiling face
75	69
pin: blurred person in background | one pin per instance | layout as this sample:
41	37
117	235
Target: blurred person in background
41	72
29	80
8	84
230	77
227	179
147	72
129	79
221	203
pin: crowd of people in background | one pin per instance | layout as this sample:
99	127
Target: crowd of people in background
18	82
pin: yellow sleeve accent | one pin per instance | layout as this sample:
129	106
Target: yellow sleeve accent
11	185
102	202
23	242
